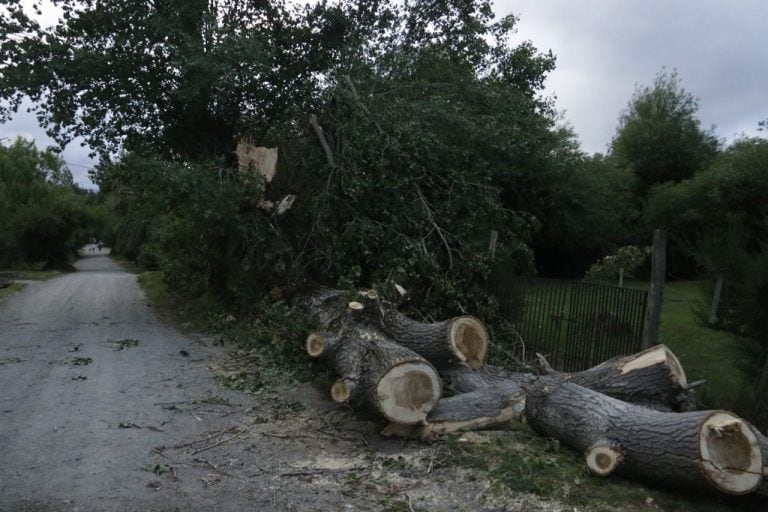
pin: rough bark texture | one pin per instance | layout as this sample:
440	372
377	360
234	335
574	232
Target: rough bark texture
461	339
762	441
705	449
653	378
376	371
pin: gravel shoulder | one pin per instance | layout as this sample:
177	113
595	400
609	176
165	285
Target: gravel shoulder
106	408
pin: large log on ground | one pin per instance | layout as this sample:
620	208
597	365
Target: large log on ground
462	339
478	410
375	371
703	449
653	378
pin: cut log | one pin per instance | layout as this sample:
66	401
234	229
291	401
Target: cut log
469	411
703	449
375	371
463	339
653	378
762	441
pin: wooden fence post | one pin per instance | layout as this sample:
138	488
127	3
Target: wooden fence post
656	291
716	300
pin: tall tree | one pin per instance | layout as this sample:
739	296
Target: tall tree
179	77
659	137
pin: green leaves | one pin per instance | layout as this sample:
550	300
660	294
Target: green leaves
43	216
659	138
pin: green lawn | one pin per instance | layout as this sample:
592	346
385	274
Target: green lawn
705	353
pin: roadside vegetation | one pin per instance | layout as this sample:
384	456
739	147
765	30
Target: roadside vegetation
44	216
420	152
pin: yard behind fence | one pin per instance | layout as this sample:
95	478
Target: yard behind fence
575	324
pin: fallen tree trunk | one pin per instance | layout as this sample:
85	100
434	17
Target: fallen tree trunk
652	378
704	449
375	371
461	339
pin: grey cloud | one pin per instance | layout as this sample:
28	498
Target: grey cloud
606	48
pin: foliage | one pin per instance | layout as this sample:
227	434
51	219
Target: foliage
44	216
428	141
627	259
585	209
719	218
181	77
659	138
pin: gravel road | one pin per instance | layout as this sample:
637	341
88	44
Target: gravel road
104	408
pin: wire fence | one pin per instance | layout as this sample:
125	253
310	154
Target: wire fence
575	324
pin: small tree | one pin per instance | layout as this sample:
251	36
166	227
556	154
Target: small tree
659	137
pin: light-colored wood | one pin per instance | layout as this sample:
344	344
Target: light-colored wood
702	449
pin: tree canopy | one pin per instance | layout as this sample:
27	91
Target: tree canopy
43	216
659	137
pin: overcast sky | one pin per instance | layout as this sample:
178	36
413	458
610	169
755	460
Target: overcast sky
604	49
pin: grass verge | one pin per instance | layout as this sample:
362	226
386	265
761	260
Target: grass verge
10	290
270	337
715	356
539	466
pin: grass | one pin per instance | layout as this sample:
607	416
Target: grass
526	462
10	290
713	355
270	338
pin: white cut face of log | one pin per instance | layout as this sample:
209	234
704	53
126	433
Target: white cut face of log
602	459
342	389
408	391
730	454
659	354
469	340
315	345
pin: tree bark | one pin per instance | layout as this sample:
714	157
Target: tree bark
704	449
762	442
652	378
375	371
461	339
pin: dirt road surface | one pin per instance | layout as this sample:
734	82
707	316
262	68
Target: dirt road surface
105	408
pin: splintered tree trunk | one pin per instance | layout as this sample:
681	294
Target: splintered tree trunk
457	340
705	449
373	370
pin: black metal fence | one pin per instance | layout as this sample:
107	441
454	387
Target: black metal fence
575	324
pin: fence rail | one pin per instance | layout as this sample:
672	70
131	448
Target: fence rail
576	324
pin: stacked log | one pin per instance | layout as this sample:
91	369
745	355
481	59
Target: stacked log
634	413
